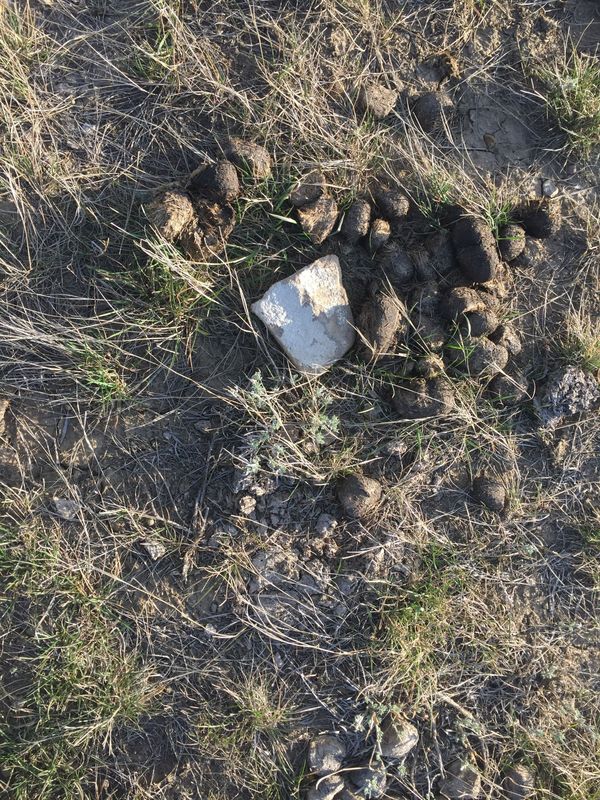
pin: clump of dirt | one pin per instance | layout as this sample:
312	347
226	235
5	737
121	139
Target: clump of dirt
358	495
429	110
509	389
171	212
475	249
249	156
379	234
217	182
356	221
567	392
423	398
377	100
318	218
308	189
379	323
519	783
490	492
198	217
511	241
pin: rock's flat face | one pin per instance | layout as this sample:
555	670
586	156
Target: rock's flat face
309	315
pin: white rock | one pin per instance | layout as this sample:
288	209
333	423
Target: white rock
549	188
309	315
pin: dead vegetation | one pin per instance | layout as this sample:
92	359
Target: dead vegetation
149	415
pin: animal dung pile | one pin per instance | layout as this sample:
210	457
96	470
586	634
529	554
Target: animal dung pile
435	309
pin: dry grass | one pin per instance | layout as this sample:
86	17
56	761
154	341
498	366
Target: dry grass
143	391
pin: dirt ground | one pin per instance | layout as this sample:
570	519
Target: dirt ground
185	603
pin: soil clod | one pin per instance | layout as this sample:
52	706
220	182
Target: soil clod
509	390
170	213
326	788
518	783
370	781
318	219
398	738
356	222
396	264
568	391
479	323
462	782
511	242
308	189
393	203
489	492
217	182
379	323
376	100
379	234
507	336
429	112
478	264
249	156
460	301
476	357
358	495
423	398
326	754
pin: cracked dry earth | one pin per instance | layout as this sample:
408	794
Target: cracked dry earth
227	573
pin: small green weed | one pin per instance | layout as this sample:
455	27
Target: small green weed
413	626
573	98
580	343
81	679
431	200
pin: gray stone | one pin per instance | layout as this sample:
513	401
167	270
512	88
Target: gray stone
326	754
309	315
462	782
398	738
549	188
155	550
